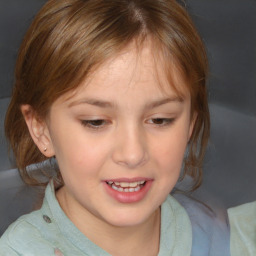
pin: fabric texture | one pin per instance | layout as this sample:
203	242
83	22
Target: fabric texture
210	234
48	231
243	229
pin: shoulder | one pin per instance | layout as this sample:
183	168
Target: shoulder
243	229
24	237
211	234
245	211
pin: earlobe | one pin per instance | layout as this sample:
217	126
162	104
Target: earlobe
38	130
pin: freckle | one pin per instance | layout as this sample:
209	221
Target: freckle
57	252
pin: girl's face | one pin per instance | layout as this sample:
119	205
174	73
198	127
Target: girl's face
119	140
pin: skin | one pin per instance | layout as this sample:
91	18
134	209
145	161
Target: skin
142	130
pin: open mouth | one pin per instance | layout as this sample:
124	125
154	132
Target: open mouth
127	187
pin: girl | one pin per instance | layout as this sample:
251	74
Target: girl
114	91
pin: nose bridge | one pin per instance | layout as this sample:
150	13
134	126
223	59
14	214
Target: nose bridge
130	146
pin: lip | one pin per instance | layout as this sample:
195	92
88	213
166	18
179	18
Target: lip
128	197
128	179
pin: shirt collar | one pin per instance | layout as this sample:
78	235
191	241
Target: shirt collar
175	236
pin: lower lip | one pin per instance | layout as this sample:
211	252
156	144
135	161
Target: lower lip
128	197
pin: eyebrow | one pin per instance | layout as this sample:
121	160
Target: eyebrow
107	104
93	102
160	102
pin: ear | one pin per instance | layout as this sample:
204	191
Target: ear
38	130
192	125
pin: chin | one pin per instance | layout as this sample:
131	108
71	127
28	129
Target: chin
128	218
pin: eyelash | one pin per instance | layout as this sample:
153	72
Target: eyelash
101	123
95	124
163	121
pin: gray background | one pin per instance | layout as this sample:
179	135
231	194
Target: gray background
228	28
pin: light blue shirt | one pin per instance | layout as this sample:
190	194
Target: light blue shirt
243	229
48	231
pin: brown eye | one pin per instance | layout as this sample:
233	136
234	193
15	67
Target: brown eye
158	121
161	121
94	124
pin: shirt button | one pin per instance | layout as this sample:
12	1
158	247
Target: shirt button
57	252
47	219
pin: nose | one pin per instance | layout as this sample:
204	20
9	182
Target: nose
130	148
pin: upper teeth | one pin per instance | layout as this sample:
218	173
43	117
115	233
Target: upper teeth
127	184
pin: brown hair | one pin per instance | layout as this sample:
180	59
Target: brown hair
69	38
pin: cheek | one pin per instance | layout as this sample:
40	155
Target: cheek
79	155
170	161
169	151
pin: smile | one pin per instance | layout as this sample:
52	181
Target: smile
128	191
127	187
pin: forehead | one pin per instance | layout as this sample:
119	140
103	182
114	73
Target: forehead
141	68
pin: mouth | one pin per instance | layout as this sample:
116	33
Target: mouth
128	190
127	187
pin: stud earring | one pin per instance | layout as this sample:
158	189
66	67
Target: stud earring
45	149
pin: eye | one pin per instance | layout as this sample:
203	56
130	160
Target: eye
161	121
95	124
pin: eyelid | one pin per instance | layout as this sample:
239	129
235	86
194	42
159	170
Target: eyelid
166	121
102	123
88	123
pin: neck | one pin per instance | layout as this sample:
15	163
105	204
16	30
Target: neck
142	239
